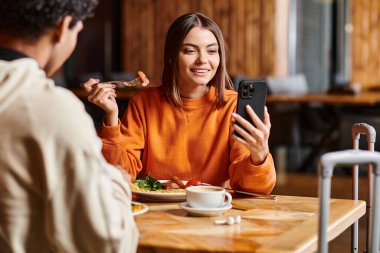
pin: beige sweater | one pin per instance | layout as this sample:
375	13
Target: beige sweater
57	193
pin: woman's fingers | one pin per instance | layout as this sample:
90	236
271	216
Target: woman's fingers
253	136
267	118
247	126
101	96
246	137
243	122
263	126
256	120
88	85
101	92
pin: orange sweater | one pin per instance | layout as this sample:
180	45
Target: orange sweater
193	142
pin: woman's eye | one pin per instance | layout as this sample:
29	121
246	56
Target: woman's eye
212	51
188	51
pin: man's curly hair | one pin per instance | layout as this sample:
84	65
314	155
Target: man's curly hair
29	19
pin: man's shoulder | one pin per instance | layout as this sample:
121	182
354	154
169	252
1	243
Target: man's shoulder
61	94
59	106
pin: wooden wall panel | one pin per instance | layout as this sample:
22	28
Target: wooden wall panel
253	41
247	26
221	12
365	43
267	58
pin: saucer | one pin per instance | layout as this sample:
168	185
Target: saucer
204	211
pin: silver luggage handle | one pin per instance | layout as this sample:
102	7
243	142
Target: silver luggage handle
347	157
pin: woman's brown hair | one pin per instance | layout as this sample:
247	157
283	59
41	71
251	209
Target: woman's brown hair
174	39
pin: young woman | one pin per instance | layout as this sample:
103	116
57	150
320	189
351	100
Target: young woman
185	127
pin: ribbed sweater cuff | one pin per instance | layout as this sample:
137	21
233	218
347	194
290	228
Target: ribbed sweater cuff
110	133
262	167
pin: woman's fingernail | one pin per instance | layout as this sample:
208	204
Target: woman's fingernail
234	115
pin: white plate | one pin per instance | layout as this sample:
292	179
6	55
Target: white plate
144	210
204	211
160	196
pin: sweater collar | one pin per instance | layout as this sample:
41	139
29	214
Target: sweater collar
208	98
7	54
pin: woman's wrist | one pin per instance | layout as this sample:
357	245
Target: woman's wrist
111	119
256	161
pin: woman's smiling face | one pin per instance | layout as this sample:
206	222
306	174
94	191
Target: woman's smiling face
198	58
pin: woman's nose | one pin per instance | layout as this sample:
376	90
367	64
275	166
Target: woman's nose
202	58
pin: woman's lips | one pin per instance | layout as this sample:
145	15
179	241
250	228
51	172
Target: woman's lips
200	71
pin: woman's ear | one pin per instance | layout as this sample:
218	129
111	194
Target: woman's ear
62	29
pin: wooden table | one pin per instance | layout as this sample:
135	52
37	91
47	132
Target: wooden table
288	224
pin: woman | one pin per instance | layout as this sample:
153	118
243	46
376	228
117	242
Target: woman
184	127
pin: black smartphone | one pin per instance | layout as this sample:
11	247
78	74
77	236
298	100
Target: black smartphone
253	93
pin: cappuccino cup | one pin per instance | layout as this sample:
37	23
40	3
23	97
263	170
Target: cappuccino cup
207	196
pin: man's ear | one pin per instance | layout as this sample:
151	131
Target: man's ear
62	29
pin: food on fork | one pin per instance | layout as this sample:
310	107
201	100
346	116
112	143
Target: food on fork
141	80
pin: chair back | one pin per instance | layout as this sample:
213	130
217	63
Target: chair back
295	84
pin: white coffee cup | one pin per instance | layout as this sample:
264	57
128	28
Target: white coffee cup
207	196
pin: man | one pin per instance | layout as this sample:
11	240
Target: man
57	193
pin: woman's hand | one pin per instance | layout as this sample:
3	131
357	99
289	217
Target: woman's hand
254	138
103	95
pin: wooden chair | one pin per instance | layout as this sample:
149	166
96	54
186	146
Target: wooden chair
348	157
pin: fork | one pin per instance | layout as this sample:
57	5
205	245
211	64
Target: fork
257	195
135	82
131	83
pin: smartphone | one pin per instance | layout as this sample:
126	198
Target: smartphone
253	93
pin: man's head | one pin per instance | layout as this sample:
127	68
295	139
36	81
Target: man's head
54	23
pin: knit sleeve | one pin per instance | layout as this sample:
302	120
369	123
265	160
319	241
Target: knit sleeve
246	176
123	144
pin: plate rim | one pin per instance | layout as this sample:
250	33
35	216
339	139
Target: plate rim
144	210
151	195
